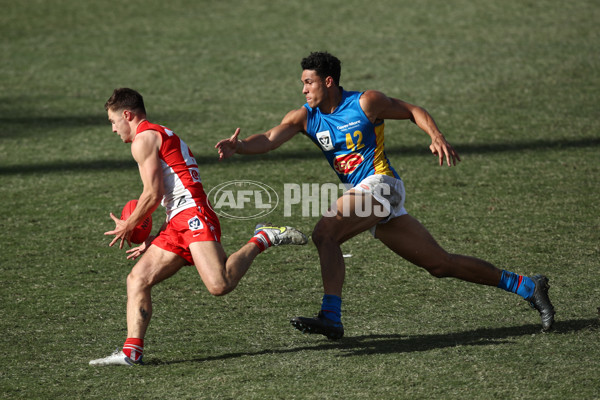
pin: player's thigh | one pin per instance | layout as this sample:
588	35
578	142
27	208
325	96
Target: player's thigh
209	259
354	212
408	238
156	265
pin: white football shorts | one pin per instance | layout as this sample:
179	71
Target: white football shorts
388	191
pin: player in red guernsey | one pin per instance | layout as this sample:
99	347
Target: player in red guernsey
191	233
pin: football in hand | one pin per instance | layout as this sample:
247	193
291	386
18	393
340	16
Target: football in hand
142	230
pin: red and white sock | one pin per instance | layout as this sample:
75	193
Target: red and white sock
134	349
261	240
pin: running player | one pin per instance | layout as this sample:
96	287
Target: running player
349	129
191	232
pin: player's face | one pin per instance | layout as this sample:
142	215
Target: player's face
120	125
314	88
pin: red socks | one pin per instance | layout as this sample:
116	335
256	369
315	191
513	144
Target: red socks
134	349
261	240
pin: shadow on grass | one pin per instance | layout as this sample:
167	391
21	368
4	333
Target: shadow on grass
390	344
76	166
29	126
282	155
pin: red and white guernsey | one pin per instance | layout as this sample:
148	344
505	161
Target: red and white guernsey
181	177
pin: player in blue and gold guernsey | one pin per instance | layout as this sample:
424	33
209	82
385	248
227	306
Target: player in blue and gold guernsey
351	143
348	128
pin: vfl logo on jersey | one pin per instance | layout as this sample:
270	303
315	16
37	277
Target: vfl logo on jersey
347	163
195	224
325	141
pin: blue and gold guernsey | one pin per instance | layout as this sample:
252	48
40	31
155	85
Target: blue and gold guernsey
352	144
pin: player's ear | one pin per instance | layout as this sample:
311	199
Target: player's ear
329	82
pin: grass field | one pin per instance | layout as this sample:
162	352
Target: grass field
514	85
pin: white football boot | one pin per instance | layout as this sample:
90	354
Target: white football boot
116	358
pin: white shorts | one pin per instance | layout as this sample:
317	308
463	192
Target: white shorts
388	191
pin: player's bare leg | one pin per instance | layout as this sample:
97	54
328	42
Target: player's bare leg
155	266
331	232
408	238
328	235
221	274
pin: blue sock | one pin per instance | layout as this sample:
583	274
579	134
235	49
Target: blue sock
331	308
519	284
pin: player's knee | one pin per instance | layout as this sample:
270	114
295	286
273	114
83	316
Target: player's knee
322	235
136	281
317	237
218	289
437	271
440	267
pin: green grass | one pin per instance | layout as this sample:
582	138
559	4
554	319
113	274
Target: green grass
513	85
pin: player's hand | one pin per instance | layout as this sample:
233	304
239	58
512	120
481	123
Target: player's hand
120	232
141	249
227	147
441	148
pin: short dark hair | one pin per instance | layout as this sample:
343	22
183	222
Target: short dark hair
125	98
324	64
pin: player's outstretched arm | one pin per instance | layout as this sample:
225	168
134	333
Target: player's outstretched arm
378	106
292	123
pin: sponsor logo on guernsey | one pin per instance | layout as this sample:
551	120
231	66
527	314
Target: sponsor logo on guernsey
325	141
348	126
195	174
347	163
